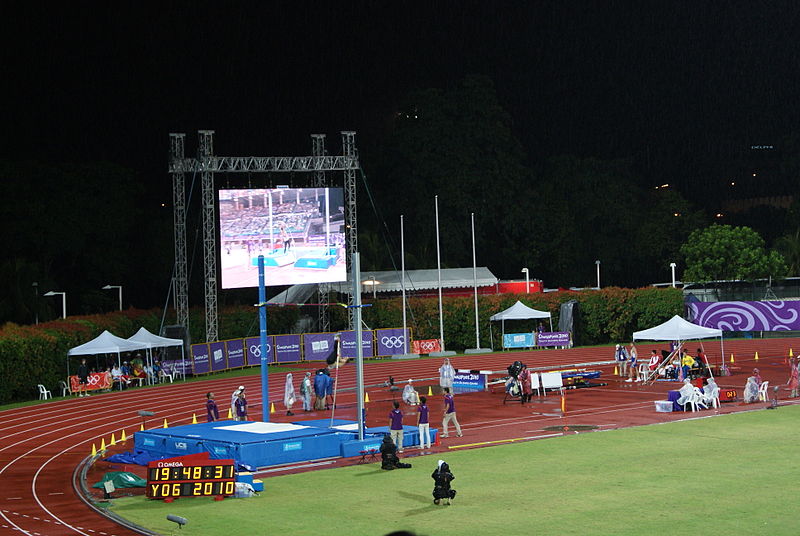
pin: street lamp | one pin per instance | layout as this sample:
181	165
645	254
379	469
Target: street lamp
527	280
63	301
36	302
672	265
372	282
118	287
597	262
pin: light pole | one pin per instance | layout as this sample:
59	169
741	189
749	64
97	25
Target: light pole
118	287
597	262
63	301
527	280
672	265
36	302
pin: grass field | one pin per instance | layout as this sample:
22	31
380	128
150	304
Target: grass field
732	474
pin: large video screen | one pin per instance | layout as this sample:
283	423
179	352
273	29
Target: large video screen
299	231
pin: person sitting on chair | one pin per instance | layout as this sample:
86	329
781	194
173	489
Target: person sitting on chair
710	391
441	488
686	391
410	395
751	390
389	458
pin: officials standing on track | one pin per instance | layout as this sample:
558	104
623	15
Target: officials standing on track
423	424
396	426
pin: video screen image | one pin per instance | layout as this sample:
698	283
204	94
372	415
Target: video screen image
299	231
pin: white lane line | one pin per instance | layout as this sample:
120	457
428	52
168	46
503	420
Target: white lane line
56	493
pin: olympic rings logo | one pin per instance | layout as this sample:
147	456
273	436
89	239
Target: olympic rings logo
427	345
255	349
93	379
393	342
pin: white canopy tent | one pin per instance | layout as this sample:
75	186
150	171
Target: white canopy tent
519	311
151	340
680	330
106	343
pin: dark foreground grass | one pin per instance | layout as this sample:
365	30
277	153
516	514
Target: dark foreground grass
733	474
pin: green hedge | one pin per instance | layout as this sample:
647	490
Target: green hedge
30	355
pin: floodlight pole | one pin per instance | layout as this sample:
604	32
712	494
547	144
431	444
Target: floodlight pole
527	280
262	333
673	265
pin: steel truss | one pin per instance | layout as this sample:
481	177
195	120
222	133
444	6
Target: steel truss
207	165
323	289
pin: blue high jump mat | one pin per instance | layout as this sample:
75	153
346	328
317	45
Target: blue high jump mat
258	444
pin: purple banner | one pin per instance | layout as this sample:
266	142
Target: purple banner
287	348
349	344
392	341
235	349
217	353
253	348
552	338
200	359
318	346
181	365
747	315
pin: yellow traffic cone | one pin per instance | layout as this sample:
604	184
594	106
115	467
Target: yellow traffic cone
113	440
366	397
141	427
430	390
102	444
756	356
230	413
271	408
616	371
194	418
732	361
122	437
94	450
166	425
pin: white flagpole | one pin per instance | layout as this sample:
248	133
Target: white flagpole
477	348
443	352
439	273
403	283
475	282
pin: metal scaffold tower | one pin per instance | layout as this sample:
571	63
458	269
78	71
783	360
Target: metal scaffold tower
323	319
207	165
206	151
180	282
351	223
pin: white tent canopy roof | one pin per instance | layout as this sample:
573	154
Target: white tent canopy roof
519	311
151	340
106	343
676	329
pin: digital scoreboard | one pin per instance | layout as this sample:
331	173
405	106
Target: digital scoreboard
190	478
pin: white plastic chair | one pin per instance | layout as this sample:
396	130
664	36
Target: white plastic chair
699	399
644	372
536	383
712	398
64	388
44	394
762	391
166	376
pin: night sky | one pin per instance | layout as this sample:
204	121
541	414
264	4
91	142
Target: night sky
694	84
588	78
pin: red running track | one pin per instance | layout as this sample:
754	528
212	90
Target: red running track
41	445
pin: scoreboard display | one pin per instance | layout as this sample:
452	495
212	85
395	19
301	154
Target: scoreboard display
200	478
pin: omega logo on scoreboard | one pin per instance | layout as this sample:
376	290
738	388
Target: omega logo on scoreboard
189	478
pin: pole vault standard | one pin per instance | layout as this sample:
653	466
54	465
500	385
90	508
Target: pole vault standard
207	165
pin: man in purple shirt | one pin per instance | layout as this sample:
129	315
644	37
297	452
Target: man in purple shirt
212	412
396	426
449	413
423	424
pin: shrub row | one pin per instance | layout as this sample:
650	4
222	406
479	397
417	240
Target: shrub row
30	355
